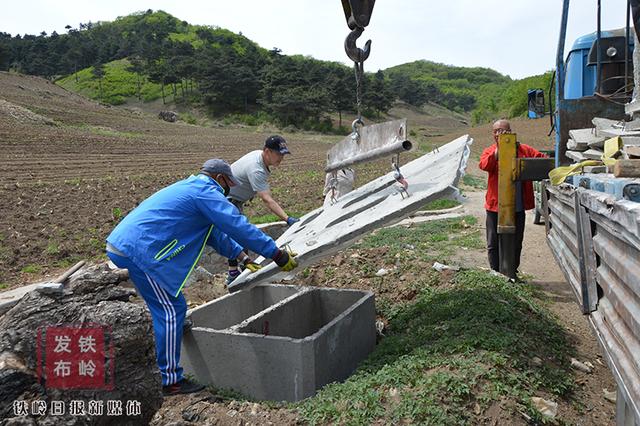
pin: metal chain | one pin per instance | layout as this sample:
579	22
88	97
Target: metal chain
359	71
334	186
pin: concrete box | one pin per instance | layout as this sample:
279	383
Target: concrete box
279	342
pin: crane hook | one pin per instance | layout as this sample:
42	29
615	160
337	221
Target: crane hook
355	53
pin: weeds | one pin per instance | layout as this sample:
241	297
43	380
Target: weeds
449	350
441	204
116	213
453	351
474	182
188	118
269	218
436	240
73	181
32	269
52	248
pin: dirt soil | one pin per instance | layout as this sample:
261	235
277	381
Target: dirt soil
71	169
536	265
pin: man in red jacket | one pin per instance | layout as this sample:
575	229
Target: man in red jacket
524	194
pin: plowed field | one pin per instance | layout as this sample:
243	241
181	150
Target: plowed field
64	186
71	167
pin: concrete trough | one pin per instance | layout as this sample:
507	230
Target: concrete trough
280	342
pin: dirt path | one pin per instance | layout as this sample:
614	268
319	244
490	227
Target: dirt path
537	262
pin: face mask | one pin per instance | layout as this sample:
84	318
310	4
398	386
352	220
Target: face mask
221	181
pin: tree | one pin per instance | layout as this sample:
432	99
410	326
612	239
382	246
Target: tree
377	96
342	94
136	66
409	90
98	72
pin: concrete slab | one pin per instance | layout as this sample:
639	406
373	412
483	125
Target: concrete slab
375	141
375	205
630	140
573	145
212	263
585	137
285	350
576	156
593	154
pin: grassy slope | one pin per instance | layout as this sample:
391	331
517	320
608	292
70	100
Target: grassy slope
463	345
118	84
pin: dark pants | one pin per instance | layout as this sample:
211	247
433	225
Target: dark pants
493	246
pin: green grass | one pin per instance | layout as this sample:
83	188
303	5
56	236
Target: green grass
66	262
457	347
441	204
118	84
32	269
452	349
188	118
53	248
116	213
268	218
73	181
474	182
436	240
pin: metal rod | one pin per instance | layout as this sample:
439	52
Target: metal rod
374	154
560	74
507	254
626	48
598	52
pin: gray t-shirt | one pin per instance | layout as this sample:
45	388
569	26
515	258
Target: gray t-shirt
252	174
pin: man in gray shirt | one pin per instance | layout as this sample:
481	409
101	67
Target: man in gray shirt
252	173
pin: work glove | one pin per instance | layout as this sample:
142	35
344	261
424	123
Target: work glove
285	260
248	263
291	220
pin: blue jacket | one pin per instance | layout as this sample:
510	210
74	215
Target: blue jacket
166	234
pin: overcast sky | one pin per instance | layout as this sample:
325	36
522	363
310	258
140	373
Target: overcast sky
515	37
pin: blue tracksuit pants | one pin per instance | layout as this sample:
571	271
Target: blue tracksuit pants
168	314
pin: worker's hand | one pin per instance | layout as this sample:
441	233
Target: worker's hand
250	264
291	220
285	260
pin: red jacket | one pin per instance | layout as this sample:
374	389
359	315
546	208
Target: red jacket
489	164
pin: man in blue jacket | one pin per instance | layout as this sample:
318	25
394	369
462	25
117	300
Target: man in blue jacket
161	241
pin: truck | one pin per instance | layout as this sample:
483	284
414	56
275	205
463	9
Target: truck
592	219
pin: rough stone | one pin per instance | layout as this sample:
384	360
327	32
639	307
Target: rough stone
169	116
91	296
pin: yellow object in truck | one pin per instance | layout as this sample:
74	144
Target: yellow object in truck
612	149
559	174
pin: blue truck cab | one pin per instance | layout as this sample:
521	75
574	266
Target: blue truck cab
578	97
580	69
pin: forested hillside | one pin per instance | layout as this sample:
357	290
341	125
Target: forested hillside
153	55
483	91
